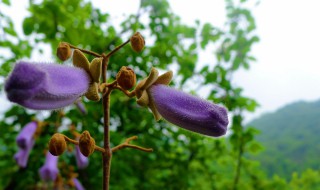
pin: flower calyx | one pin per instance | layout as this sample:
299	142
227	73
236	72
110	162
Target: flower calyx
143	93
137	42
86	144
94	69
63	51
57	144
126	78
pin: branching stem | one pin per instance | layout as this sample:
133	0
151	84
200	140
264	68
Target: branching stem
127	144
117	48
85	51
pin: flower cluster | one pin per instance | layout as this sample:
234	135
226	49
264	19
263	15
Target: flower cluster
53	86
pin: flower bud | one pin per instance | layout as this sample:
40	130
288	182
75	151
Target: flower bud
86	144
63	51
57	144
126	78
137	42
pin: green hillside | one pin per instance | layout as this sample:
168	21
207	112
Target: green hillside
290	137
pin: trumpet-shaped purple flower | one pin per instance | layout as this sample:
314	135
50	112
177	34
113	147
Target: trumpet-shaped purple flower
49	171
189	112
46	86
82	161
25	137
22	155
77	184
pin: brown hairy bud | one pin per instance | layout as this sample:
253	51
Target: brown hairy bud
86	144
126	77
57	144
63	51
137	42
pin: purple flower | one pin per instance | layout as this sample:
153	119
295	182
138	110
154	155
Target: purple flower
81	107
25	137
45	86
82	161
49	171
179	108
22	155
189	112
77	184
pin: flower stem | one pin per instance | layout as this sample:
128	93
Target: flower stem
107	155
85	51
127	144
117	48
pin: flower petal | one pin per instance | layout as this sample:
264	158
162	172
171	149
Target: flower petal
49	171
189	112
22	155
25	137
46	86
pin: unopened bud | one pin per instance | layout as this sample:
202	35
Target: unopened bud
86	144
63	51
137	42
126	78
57	144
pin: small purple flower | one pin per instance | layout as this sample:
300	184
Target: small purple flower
46	86
82	161
189	112
77	184
81	107
22	155
25	137
49	171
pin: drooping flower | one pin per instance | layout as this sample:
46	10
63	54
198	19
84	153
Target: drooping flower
45	86
189	112
179	108
77	184
25	137
82	161
22	155
49	171
25	141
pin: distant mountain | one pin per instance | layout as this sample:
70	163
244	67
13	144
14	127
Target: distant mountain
291	138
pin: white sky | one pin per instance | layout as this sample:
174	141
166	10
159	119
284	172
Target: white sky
288	63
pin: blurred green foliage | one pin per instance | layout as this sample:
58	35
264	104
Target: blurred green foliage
290	136
181	160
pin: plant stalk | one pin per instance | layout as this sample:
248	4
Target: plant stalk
107	155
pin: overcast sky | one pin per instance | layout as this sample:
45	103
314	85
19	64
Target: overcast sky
288	63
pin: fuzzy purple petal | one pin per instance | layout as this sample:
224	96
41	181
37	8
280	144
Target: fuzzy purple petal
45	86
189	112
82	161
77	184
22	155
49	171
25	137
